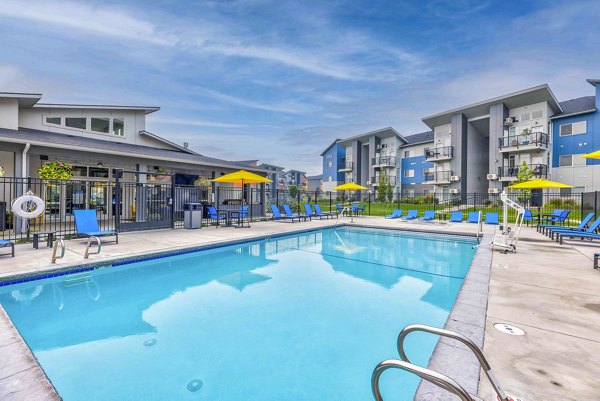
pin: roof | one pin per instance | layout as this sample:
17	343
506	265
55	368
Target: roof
165	141
56	140
537	94
147	109
295	171
329	147
25	99
380	133
315	177
593	82
422	137
268	166
586	104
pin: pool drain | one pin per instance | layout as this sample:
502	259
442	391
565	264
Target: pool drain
509	329
195	385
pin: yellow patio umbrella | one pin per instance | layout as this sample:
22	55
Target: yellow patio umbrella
350	186
242	177
539	183
593	155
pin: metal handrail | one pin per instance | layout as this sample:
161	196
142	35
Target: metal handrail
455	336
479	225
345	208
89	243
436	378
62	252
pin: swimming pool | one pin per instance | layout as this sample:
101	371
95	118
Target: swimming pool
299	317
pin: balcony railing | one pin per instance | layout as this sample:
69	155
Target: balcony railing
539	171
348	166
385	161
444	152
391	179
527	141
438	177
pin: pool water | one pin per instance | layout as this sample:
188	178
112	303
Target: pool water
300	317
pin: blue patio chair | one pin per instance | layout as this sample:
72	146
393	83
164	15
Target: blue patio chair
396	214
290	215
428	216
590	233
362	209
216	216
491	218
355	209
339	208
553	218
473	217
527	216
241	215
456	217
411	215
582	227
86	224
319	213
5	244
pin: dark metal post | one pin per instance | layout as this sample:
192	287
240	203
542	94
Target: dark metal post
329	201
298	201
172	200
369	202
117	200
250	205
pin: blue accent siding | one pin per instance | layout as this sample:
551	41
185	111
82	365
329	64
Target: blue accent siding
334	154
416	163
577	144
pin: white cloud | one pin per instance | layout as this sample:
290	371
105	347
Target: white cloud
195	122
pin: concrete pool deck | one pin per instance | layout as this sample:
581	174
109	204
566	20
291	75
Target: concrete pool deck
548	290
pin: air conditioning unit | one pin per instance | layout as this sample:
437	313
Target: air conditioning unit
493	191
454	190
492	176
454	178
368	182
510	120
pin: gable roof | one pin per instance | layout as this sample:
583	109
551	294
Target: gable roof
329	147
586	104
83	144
167	142
422	137
380	133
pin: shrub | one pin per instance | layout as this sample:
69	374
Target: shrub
55	171
487	203
570	203
555	203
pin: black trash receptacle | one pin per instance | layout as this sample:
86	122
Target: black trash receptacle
192	216
2	216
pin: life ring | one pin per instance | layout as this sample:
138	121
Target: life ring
17	206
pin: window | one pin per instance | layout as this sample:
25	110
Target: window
329	164
409	173
573	129
76	122
407	153
571	191
118	127
100	124
525	117
537	114
53	120
565	161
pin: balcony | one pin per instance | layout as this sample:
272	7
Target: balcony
346	167
511	173
437	154
386	161
516	143
391	179
437	177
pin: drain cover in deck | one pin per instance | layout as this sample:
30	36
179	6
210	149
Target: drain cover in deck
509	329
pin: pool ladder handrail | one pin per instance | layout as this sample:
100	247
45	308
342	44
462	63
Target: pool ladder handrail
345	208
435	377
55	247
479	226
89	243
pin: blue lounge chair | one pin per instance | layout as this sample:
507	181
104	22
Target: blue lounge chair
86	224
587	234
5	243
491	218
456	217
396	214
216	216
411	215
548	229
319	213
473	217
582	228
309	212
241	216
428	216
290	215
276	213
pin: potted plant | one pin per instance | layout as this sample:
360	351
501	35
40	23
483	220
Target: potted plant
526	136
205	186
160	177
56	171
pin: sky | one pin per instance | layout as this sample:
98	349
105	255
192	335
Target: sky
278	81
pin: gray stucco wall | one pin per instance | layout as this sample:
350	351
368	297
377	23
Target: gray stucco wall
459	142
498	113
477	152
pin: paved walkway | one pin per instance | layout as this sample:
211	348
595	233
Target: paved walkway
548	290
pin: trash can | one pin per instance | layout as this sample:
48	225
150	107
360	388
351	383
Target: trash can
2	216
192	216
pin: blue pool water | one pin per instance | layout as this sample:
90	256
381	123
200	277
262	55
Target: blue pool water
301	317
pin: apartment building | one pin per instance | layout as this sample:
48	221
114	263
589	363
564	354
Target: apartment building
333	166
416	169
575	132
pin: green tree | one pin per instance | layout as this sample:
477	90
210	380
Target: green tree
382	187
524	174
293	190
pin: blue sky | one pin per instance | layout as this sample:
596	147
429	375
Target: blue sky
279	80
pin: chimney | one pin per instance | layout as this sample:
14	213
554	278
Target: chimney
185	145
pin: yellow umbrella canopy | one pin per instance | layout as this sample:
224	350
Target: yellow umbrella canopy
539	183
242	177
593	155
349	187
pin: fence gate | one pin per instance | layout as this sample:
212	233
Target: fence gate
144	205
